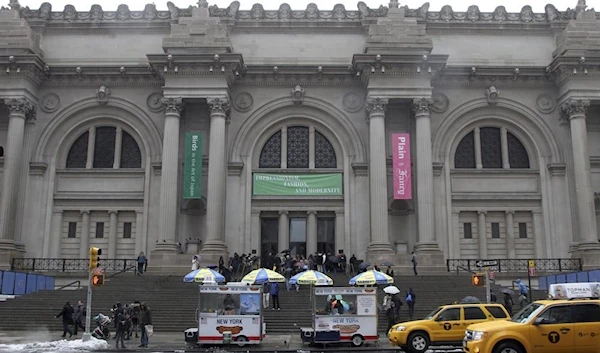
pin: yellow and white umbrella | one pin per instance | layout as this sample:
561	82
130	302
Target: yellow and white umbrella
370	278
263	275
314	278
204	275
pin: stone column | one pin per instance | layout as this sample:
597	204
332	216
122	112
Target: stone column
118	145
379	248
477	138
588	248
311	147
538	234
311	230
255	233
112	234
139	232
284	231
504	145
340	242
91	147
56	234
28	145
482	236
169	195
19	109
425	210
284	147
214	246
84	245
511	250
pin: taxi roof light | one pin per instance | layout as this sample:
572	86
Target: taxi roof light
570	291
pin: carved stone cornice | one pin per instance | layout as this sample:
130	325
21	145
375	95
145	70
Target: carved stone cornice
498	76
575	108
312	12
228	65
375	106
218	106
422	106
20	107
173	106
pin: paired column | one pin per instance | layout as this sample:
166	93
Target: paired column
19	109
311	239
575	110
214	246
118	146
425	209
24	177
511	251
284	231
84	246
379	248
112	234
169	177
140	244
482	237
56	235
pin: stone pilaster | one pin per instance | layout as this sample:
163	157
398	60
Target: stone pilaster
589	248
169	195
112	234
84	245
140	244
214	245
28	145
481	234
284	231
510	235
379	249
311	230
19	109
427	247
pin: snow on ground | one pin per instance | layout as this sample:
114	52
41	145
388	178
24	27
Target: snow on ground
62	346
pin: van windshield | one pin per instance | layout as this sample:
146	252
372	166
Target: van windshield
527	313
433	313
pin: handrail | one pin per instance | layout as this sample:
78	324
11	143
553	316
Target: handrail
464	269
122	271
518	265
69	265
70	284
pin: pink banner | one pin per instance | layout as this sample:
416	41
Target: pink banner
402	172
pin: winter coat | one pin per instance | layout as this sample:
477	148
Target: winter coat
80	313
146	317
66	313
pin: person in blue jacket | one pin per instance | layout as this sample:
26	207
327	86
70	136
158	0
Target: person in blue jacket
274	290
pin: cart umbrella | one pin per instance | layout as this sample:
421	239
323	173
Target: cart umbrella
263	275
314	278
370	278
204	275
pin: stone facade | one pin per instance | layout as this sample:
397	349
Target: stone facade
502	109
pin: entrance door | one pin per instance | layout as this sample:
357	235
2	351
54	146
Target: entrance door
298	236
269	233
326	235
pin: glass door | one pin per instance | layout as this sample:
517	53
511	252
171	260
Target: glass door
298	236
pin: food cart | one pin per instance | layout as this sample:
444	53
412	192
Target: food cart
229	313
343	314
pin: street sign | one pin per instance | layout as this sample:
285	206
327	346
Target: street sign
532	271
492	275
486	263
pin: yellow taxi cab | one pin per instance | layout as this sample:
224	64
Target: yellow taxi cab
445	326
568	322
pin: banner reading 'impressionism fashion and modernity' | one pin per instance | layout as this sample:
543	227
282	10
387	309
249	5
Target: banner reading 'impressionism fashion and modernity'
192	171
402	172
297	184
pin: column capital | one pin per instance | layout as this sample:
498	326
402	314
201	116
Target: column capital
139	212
422	106
219	106
113	211
20	107
575	108
480	212
173	106
375	106
85	212
283	212
312	212
509	212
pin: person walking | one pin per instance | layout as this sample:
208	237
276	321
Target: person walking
410	301
523	292
266	294
390	311
414	262
287	273
67	319
508	303
142	263
79	317
135	317
121	320
145	320
275	295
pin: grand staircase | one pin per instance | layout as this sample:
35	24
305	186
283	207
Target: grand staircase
173	303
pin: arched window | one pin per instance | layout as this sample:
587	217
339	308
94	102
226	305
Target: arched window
105	144
298	140
490	146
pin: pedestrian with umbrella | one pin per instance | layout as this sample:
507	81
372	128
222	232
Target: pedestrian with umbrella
508	301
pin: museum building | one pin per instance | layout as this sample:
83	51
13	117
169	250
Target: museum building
457	134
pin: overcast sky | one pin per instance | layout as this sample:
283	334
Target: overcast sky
457	5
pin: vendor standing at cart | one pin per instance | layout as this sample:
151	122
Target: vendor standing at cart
228	305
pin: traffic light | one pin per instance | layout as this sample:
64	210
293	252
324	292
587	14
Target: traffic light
94	257
478	280
97	280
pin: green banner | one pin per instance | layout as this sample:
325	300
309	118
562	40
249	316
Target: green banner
297	184
192	169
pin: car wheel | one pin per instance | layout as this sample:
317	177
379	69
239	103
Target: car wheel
508	347
241	340
418	342
357	340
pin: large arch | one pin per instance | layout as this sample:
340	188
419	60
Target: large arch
340	130
67	125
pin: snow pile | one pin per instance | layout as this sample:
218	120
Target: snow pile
62	346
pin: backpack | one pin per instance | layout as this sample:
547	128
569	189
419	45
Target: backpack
409	298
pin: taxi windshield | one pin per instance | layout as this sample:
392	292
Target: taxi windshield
527	313
433	313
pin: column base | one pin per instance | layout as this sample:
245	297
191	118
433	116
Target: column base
430	259
9	250
378	253
589	253
167	247
573	247
169	263
212	251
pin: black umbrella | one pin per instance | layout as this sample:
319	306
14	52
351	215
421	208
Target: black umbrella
212	267
470	300
507	291
286	251
334	259
364	265
387	263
